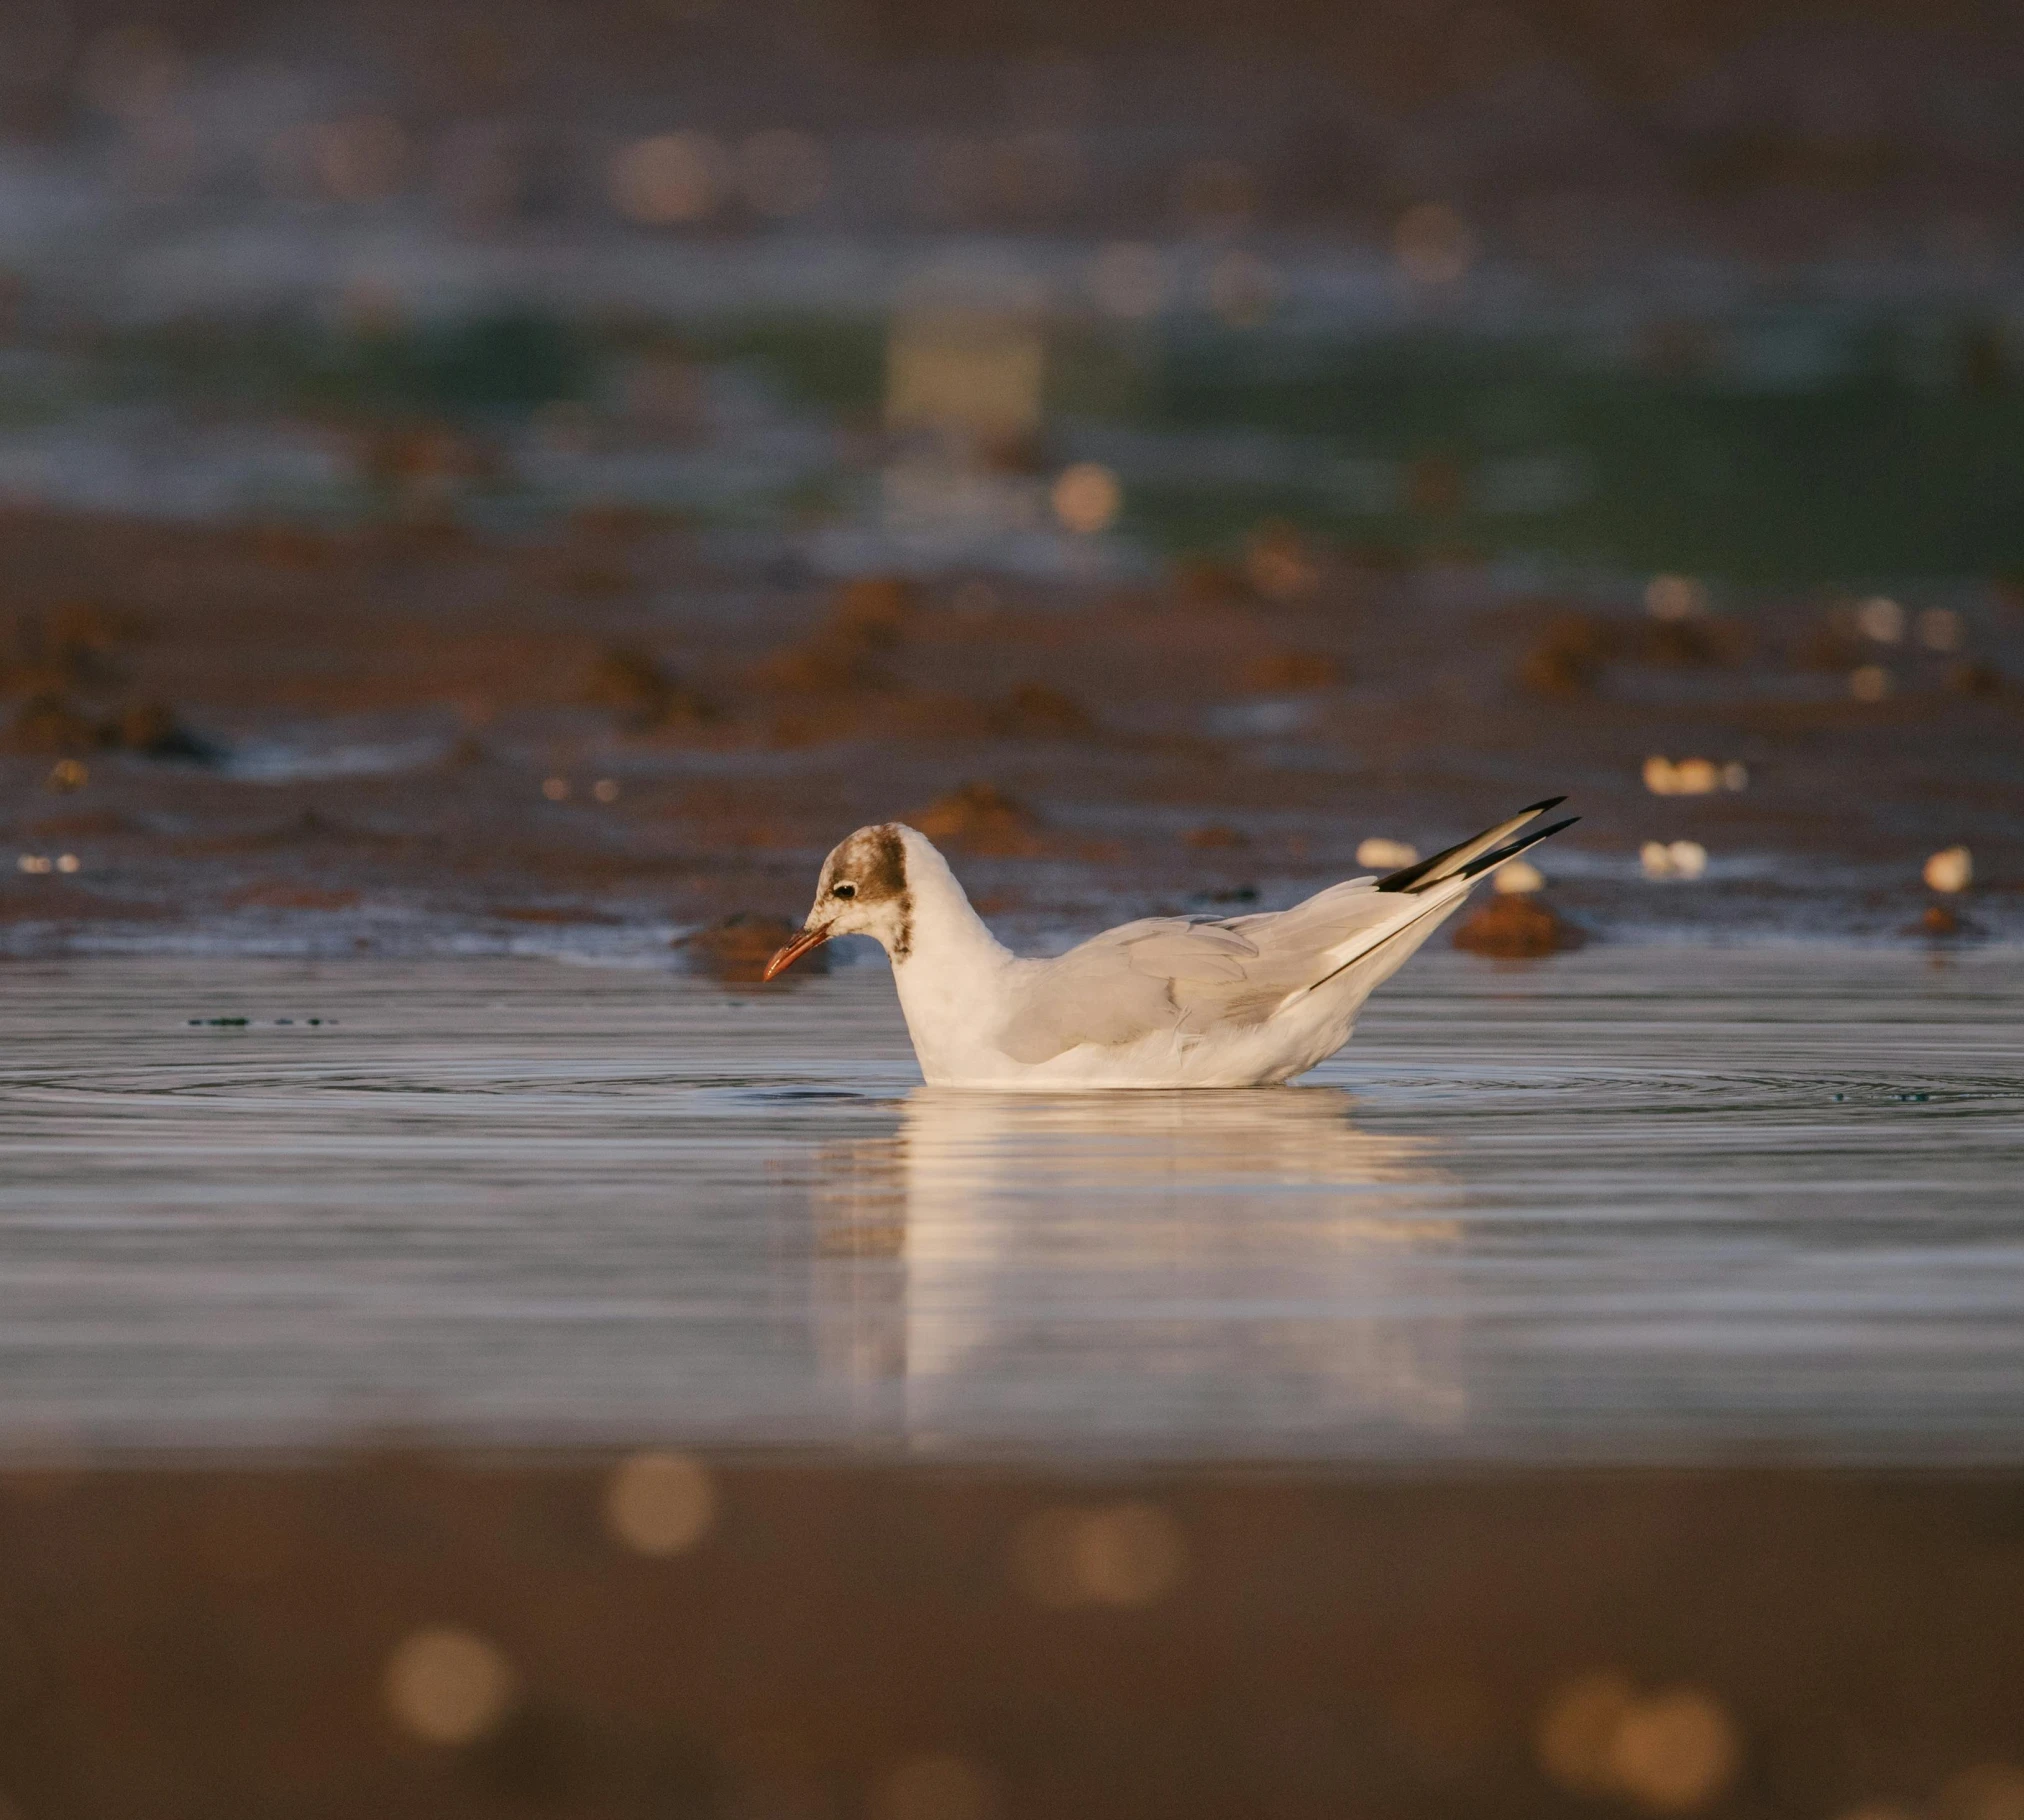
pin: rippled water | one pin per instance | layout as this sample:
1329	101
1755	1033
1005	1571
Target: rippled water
1632	1204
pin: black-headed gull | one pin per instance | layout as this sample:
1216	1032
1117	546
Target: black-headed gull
1242	1001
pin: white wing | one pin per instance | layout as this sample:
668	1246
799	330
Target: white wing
1193	978
1169	973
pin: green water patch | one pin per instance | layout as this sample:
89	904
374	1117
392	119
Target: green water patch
1856	468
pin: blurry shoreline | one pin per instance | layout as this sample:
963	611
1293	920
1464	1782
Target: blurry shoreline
417	737
456	1633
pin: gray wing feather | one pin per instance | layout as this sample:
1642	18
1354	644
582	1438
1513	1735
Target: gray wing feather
1166	973
1091	994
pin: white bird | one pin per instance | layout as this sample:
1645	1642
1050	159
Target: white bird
1242	1001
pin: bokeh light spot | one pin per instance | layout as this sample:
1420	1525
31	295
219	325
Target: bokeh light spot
1989	1791
1949	870
1675	1751
939	1787
1579	1727
668	178
1434	244
1691	776
359	160
1675	597
1087	498
1122	1555
1382	854
1669	1752
660	1503
1881	619
448	1685
1940	629
1685	859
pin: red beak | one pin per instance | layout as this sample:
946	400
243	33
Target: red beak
800	945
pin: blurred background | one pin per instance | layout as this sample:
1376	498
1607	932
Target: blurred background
1384	383
1730	290
524	479
1411	404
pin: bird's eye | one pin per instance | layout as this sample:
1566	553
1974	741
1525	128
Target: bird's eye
843	890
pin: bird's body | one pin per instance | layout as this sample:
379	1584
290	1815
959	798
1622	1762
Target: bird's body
1167	1002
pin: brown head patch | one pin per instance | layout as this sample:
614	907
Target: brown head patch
875	861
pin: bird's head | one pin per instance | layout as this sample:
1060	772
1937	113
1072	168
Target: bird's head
863	890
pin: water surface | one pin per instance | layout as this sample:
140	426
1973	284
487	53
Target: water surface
1633	1204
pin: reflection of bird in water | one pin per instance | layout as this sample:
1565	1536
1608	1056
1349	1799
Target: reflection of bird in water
1096	1262
1241	1001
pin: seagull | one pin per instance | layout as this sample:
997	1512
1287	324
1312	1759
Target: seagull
1168	1001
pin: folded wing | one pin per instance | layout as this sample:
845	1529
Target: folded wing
1191	977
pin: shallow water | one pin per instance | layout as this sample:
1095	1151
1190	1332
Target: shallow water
1633	1204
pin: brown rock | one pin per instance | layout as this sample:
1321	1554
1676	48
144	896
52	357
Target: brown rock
643	694
739	947
868	618
1277	670
1034	711
982	818
594	577
1517	927
280	896
152	729
283	546
92	822
1213	837
468	750
51	724
552	915
1436	485
610	521
833	661
1942	920
1203	581
876	608
1702	643
1279	564
1568	655
70	647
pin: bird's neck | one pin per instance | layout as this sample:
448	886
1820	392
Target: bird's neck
949	975
942	930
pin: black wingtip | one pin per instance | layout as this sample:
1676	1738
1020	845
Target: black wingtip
1511	849
1408	876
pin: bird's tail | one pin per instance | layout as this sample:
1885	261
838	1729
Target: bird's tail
1440	885
1478	855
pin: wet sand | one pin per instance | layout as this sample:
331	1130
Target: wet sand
218	1638
403	738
